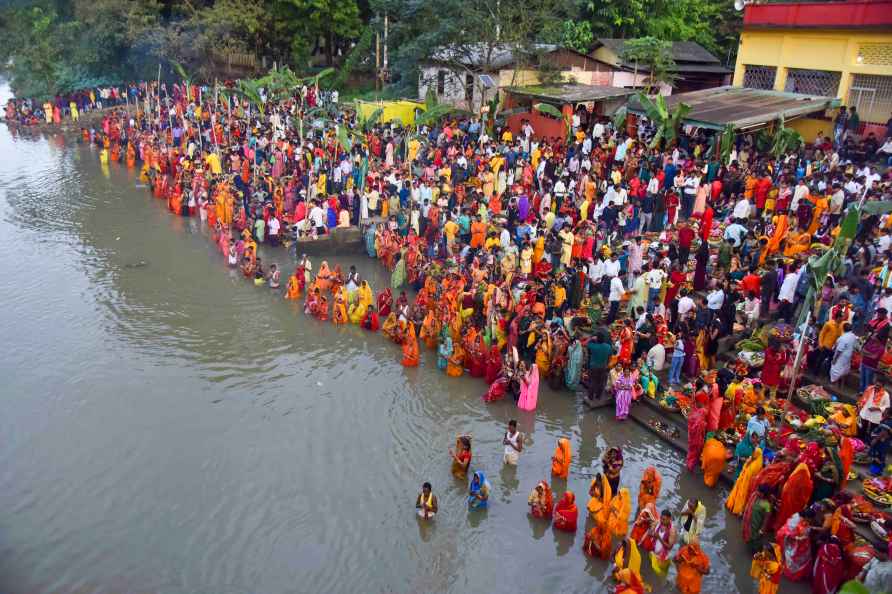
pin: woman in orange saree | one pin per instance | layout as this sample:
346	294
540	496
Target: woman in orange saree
390	327
560	461
712	460
293	288
794	496
454	365
649	490
430	330
323	277
410	347
780	232
339	311
620	509
597	541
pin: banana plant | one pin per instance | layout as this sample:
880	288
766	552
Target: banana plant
784	140
491	115
667	121
619	118
726	143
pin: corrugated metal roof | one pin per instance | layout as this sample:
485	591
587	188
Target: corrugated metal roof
744	108
682	51
570	93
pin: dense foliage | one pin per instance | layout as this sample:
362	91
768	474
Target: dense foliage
56	45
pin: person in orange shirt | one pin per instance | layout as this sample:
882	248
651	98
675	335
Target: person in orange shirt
692	564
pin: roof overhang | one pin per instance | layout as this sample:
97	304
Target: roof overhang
743	108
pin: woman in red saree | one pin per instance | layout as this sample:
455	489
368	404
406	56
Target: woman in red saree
493	364
410	347
696	435
625	343
566	513
647	518
794	538
385	301
829	567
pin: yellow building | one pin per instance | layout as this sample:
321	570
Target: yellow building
837	49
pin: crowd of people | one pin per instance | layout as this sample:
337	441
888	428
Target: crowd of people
598	263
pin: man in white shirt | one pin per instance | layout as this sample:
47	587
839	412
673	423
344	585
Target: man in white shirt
799	193
274	227
654	279
787	295
656	357
616	294
685	305
715	299
734	233
741	209
598	130
317	219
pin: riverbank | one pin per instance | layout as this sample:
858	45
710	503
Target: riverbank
90	119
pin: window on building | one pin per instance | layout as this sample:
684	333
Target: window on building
441	82
469	88
812	82
871	94
759	77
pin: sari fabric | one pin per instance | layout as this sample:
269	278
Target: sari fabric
541	501
529	390
480	487
560	462
692	564
795	541
573	370
828	569
737	499
410	348
620	509
713	461
696	436
566	513
649	489
795	495
767	571
597	541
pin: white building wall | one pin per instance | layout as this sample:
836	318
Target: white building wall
453	90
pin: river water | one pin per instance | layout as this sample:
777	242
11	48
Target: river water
168	427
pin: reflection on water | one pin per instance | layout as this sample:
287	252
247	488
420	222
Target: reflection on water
169	427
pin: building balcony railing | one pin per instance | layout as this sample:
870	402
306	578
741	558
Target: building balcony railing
819	15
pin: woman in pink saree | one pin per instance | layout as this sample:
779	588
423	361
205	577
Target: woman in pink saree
529	389
623	386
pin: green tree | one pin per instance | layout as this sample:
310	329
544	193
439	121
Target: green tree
335	21
654	56
577	35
